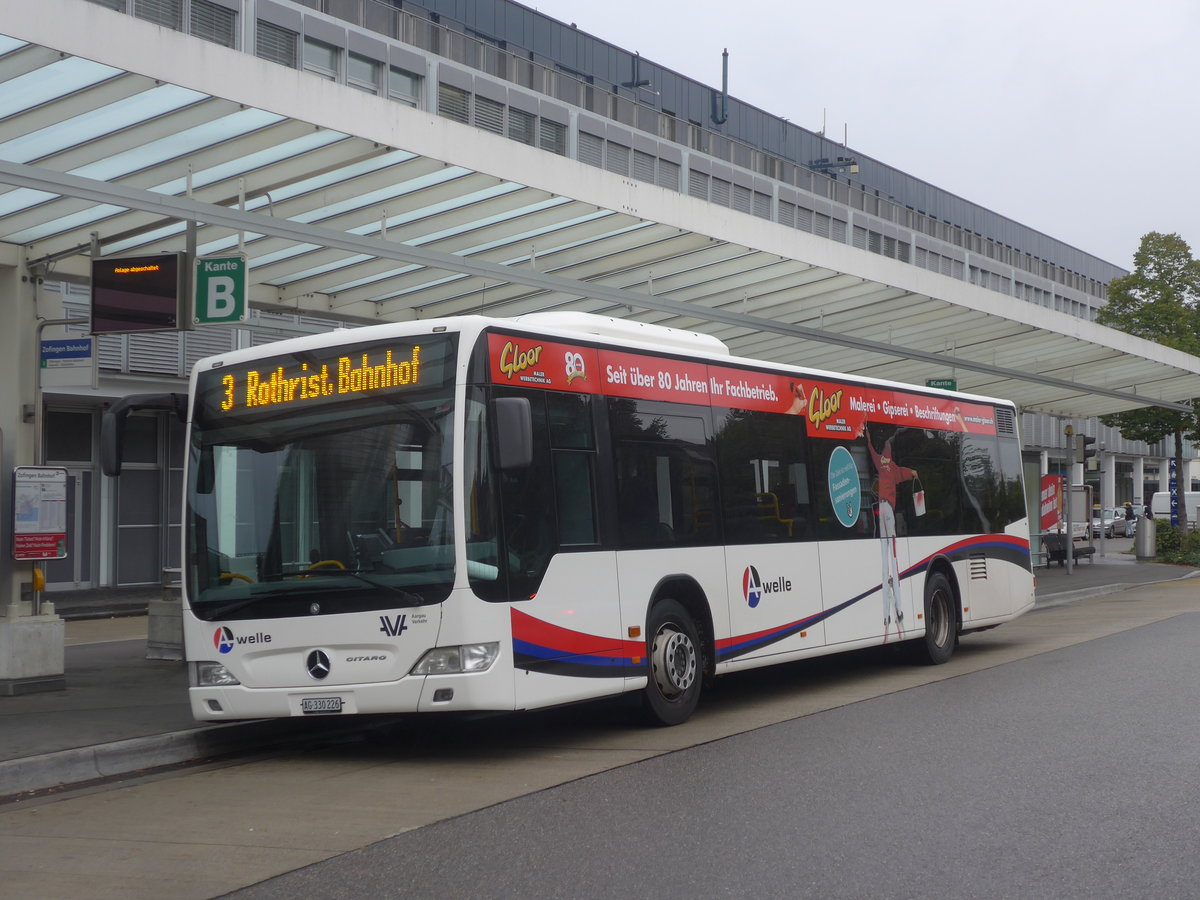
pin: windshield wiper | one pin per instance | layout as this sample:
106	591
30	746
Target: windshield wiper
274	593
407	596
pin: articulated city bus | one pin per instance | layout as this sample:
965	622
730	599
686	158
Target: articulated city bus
488	514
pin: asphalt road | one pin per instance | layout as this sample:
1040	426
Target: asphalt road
1070	774
1053	756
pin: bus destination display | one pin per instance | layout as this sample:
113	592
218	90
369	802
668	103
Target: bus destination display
316	377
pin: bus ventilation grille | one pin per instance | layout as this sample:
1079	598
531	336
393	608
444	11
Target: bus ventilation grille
1006	422
978	562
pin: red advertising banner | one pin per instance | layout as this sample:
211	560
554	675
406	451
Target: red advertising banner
1050	503
527	362
831	409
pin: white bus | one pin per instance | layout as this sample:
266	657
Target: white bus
488	514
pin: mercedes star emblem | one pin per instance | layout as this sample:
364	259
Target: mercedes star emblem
318	664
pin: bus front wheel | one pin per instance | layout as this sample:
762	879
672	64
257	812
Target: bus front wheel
676	671
941	622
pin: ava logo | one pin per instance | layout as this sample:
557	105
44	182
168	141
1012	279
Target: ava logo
575	367
751	586
223	640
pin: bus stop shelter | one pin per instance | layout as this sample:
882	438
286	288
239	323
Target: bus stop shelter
136	139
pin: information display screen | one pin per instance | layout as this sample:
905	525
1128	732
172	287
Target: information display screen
137	293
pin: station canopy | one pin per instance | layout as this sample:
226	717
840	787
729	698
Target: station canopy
351	206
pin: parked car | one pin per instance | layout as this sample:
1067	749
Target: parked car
1113	522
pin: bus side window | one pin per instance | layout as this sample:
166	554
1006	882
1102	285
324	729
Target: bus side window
764	477
666	475
982	483
934	454
573	447
527	507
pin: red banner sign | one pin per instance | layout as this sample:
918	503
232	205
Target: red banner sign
831	409
1050	503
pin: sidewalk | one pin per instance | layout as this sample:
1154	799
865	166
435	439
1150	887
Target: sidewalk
122	713
1117	570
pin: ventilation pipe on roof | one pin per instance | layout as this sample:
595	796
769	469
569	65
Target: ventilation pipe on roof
720	111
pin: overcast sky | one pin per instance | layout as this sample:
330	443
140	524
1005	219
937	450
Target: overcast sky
1074	117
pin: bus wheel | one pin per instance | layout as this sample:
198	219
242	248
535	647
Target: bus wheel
941	623
673	645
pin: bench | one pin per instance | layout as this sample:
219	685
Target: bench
1056	550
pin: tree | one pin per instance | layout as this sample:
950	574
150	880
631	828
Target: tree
1159	301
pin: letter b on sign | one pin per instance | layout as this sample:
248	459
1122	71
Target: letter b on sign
220	290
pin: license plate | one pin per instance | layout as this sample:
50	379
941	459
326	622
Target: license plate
321	705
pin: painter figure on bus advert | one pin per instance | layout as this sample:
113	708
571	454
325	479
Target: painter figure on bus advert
890	475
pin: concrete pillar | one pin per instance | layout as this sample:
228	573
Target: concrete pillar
1139	478
1045	462
1108	480
31	641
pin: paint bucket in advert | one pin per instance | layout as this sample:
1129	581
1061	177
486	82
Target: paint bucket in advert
918	498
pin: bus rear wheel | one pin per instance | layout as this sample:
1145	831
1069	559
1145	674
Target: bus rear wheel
941	622
676	669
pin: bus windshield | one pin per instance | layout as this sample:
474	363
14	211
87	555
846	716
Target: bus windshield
312	508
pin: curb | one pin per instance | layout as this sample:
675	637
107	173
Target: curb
70	768
1062	597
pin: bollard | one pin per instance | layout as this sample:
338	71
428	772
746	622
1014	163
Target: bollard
1144	540
164	628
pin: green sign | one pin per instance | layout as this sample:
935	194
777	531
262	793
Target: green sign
220	290
945	384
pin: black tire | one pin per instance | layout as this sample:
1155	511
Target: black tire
676	665
941	621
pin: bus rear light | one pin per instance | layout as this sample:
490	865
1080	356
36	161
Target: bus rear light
211	674
457	660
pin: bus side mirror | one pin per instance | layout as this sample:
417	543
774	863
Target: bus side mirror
112	427
512	424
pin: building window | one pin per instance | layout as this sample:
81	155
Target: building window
591	149
554	137
403	87
321	58
668	175
454	103
276	44
362	73
521	126
616	158
213	23
68	435
489	115
167	13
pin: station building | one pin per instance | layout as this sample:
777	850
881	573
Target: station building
568	103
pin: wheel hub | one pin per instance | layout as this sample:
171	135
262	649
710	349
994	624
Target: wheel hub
674	661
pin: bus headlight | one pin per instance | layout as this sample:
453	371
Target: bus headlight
456	660
211	674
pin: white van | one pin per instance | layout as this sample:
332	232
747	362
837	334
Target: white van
1160	504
